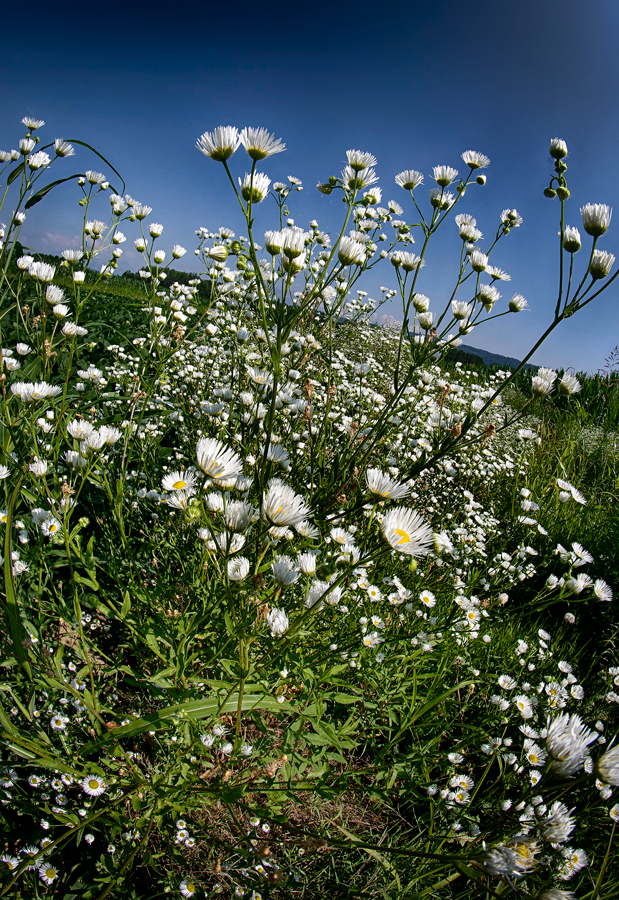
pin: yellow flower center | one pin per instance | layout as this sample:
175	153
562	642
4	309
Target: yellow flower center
93	784
179	485
404	537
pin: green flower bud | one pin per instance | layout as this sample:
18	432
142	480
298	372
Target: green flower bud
550	192
193	512
563	193
558	148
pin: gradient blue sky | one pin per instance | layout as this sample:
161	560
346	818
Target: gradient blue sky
414	83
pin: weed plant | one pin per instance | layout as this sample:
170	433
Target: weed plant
292	607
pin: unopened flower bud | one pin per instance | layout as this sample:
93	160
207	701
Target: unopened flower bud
517	303
569	385
601	264
558	148
596	218
571	240
219	253
421	302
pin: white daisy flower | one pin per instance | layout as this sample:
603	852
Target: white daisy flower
179	480
93	785
407	532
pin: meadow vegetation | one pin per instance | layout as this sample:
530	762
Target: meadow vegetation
296	605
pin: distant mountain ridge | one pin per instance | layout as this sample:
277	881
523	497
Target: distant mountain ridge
494	359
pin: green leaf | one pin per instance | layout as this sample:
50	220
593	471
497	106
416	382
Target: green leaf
18	632
106	161
89	556
435	702
151	643
42	192
229	624
16	173
29	495
193	710
6	723
126	605
93	585
343	698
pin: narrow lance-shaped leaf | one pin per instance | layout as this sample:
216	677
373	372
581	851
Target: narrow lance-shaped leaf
36	198
106	161
16	173
18	633
194	710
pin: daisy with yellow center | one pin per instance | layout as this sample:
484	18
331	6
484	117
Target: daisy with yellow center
179	480
407	532
383	486
282	506
48	874
218	462
93	785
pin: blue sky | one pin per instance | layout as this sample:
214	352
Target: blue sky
414	83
